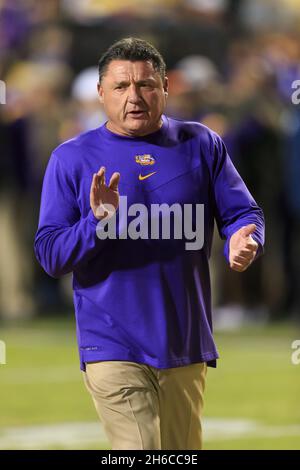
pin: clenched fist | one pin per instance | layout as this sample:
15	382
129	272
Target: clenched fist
242	248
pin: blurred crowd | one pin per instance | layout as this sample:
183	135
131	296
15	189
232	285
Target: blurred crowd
231	65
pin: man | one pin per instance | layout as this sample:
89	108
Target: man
142	303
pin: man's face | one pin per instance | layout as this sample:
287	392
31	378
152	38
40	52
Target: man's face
134	97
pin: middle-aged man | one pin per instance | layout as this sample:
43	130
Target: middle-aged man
142	292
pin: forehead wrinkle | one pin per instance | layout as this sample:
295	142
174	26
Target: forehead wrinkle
126	71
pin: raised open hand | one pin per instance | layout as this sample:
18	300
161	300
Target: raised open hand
104	200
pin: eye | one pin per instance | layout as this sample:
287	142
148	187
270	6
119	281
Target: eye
120	87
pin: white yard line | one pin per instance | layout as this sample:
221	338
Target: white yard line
78	435
64	435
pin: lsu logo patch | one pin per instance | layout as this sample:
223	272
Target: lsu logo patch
145	159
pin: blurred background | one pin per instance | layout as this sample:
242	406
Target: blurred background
231	65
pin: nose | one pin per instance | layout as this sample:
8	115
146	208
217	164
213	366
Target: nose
134	94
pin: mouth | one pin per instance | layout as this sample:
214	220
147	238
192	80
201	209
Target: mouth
137	114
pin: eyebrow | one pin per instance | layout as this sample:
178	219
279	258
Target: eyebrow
139	82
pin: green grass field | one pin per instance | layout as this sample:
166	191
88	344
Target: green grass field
252	398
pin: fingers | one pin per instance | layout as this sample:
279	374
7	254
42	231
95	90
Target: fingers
93	190
243	259
251	245
93	185
114	181
101	176
241	263
238	267
246	254
97	181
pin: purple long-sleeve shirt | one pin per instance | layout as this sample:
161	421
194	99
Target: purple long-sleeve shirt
143	300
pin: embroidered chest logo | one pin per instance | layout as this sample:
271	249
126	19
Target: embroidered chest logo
145	159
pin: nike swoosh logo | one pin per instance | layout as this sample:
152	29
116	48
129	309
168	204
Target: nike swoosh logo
141	177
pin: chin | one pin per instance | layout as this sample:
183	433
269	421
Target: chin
139	127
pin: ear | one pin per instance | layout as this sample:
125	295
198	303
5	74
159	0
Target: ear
100	92
166	87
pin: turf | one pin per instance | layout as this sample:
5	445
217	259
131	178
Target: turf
255	381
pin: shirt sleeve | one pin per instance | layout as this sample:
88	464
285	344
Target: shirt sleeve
234	205
64	238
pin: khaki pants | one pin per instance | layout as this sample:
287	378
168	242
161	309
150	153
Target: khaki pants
142	407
